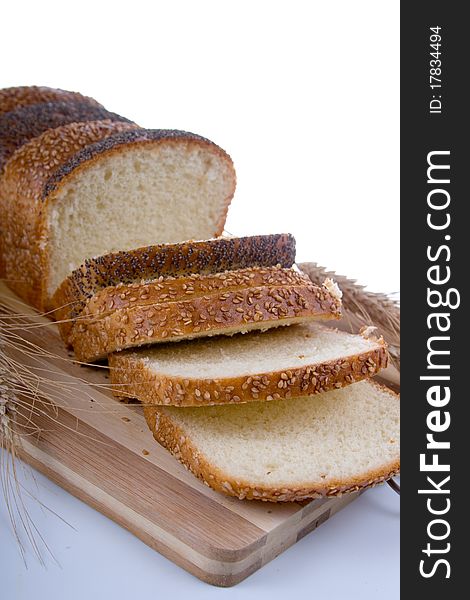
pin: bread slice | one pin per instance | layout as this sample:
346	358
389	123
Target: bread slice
15	97
21	187
282	363
324	445
19	126
129	190
145	264
181	308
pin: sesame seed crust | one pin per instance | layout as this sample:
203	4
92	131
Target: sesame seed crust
175	439
126	320
15	97
19	126
131	378
151	262
22	207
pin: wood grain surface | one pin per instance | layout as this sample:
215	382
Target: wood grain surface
101	450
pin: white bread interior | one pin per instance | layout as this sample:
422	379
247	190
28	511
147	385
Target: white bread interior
278	349
325	444
125	200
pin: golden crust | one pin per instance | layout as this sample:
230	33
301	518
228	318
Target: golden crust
200	257
131	316
15	97
175	439
19	126
131	378
22	208
172	288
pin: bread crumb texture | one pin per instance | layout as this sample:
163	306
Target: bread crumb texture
286	362
324	445
136	188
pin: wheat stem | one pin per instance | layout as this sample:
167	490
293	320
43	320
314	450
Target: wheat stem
363	308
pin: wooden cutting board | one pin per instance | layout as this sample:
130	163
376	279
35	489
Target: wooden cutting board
100	450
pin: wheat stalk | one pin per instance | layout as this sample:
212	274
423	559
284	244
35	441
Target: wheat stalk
11	386
28	388
362	308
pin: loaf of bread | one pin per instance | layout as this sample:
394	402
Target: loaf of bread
145	264
15	97
128	190
287	362
19	126
324	445
182	308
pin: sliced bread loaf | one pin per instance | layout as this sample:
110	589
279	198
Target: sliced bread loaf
21	206
126	191
145	264
324	445
181	308
282	363
14	97
19	126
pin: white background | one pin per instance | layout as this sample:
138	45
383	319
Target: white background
304	95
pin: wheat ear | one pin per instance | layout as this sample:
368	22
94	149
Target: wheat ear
11	388
22	397
362	308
